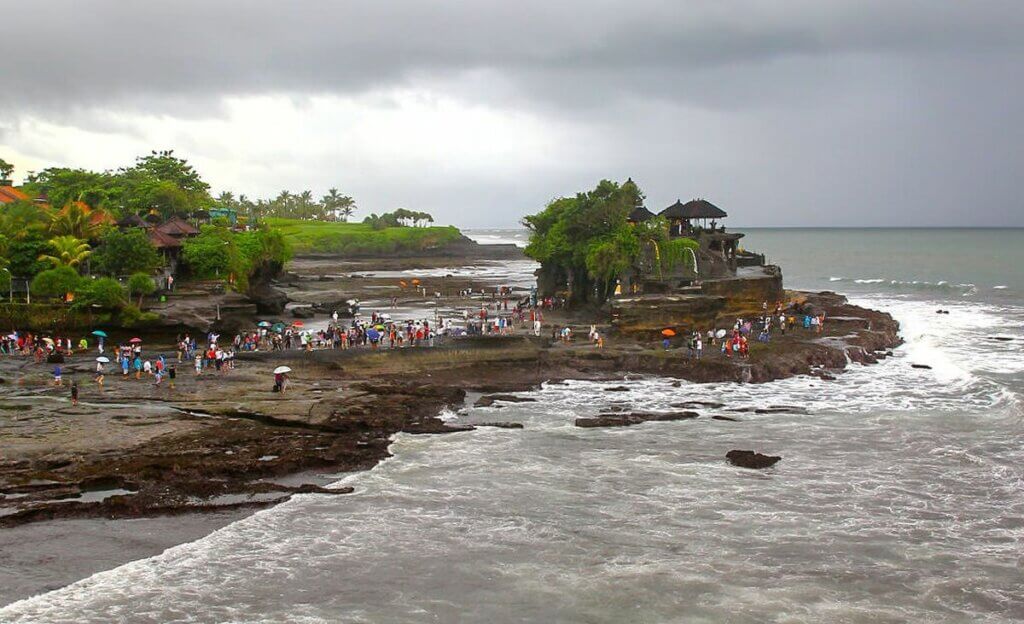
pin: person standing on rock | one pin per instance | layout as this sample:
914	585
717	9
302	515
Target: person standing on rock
700	347
199	364
99	374
74	393
171	374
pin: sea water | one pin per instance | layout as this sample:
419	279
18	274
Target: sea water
900	496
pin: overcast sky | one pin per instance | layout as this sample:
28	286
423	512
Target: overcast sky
807	112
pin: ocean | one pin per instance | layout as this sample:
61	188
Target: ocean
900	496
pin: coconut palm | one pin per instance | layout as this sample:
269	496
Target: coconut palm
79	220
67	251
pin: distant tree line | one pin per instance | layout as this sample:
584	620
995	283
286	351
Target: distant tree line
333	206
399	218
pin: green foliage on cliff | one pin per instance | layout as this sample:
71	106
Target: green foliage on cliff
586	241
361	239
678	252
221	253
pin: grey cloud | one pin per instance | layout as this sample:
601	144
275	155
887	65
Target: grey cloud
801	112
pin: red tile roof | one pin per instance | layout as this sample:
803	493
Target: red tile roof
9	194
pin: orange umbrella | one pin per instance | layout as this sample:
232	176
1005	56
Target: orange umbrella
668	333
415	282
402	284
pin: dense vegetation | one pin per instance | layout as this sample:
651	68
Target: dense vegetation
360	239
219	252
68	247
65	244
585	243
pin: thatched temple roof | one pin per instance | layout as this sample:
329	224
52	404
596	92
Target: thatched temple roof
693	209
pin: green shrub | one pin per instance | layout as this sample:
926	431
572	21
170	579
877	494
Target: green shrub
141	284
56	282
105	292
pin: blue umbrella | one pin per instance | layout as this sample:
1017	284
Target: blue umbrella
372	334
263	324
99	332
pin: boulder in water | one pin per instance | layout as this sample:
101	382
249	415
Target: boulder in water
925	366
626	420
751	459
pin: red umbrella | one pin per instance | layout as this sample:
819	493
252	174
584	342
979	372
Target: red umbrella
135	340
297	324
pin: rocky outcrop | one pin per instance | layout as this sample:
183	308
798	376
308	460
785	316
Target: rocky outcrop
269	300
627	420
491	399
751	459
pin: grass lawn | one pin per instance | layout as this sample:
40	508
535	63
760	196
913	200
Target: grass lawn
359	238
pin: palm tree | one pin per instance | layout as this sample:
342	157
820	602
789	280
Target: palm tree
79	220
305	204
67	251
226	199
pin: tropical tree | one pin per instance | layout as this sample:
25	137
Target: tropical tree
6	169
60	281
226	199
125	252
66	251
79	220
141	284
585	242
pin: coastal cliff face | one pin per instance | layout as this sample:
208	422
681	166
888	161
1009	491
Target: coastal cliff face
715	303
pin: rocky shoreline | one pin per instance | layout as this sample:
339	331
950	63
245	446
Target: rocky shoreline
223	446
225	441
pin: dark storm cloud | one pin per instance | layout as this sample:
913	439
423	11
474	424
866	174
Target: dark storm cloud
103	49
807	112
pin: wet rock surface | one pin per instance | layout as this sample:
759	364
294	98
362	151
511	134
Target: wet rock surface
751	459
221	440
635	418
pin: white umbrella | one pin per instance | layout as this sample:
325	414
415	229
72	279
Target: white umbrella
720	333
282	369
103	360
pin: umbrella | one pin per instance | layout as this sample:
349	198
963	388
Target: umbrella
135	340
380	328
372	334
402	283
668	333
263	324
100	333
297	324
103	359
720	333
278	327
48	341
415	282
280	370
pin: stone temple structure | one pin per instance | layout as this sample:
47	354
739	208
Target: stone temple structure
722	279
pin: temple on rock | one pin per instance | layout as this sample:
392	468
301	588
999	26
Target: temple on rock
715	253
716	275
